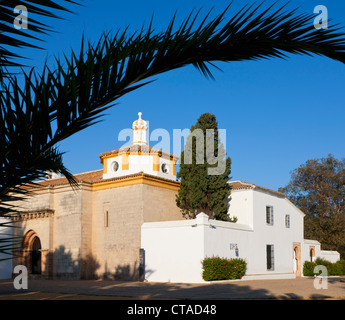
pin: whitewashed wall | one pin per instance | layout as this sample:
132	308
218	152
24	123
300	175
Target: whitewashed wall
5	265
137	163
174	249
331	256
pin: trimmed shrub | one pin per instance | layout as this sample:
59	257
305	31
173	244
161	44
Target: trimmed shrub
217	268
333	269
339	267
308	268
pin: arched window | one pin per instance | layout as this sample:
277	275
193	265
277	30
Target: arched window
312	254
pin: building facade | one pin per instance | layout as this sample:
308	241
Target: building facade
122	222
268	234
95	230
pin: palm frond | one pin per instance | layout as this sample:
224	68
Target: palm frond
12	38
58	103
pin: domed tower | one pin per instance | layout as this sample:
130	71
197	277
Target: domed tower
138	157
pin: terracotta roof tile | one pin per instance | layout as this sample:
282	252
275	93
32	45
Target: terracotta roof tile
89	176
240	185
136	148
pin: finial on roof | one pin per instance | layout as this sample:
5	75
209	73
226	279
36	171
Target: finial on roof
139	130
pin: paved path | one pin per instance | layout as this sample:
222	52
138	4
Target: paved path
300	288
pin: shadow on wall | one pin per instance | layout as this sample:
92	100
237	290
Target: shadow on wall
127	272
68	265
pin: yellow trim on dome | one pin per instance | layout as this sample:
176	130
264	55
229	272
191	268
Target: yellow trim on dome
125	150
105	166
125	161
155	162
140	179
173	167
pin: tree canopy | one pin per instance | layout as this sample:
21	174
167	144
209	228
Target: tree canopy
317	187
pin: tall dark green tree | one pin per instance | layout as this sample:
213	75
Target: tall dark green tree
204	172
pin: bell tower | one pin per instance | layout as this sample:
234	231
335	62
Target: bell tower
138	157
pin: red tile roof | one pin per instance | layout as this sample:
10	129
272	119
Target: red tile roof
89	176
136	148
241	185
97	176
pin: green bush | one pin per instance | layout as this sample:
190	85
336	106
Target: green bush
339	267
216	268
308	268
333	269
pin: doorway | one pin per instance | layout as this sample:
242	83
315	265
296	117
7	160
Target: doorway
297	266
36	256
32	253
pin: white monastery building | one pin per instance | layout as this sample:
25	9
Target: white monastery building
122	223
268	235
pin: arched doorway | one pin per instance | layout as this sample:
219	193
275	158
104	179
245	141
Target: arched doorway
32	256
297	267
312	254
36	256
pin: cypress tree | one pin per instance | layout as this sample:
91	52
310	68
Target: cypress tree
204	183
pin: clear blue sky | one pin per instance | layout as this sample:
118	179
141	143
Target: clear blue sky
277	113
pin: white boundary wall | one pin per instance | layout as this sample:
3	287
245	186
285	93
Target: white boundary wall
331	256
174	249
5	265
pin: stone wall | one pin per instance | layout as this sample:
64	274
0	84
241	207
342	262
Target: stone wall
117	234
94	233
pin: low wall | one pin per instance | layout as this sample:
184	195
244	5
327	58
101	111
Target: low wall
331	256
173	251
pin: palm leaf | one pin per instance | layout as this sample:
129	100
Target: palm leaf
58	103
11	38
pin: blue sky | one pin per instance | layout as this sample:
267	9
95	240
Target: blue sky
277	113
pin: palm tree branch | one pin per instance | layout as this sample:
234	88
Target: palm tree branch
85	84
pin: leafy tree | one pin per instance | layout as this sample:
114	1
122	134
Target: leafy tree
204	185
317	187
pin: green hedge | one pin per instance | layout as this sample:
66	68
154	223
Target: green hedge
333	269
308	268
216	268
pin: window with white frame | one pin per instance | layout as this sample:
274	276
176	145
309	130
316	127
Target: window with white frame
269	215
287	221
